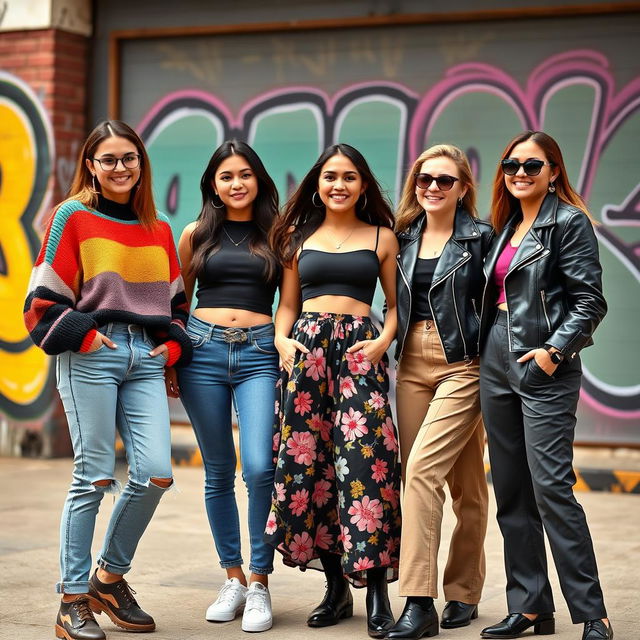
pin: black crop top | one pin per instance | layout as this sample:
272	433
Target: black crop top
351	273
233	277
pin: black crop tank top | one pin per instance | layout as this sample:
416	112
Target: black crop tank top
351	273
233	277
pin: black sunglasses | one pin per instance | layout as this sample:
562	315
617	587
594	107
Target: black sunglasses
532	167
444	182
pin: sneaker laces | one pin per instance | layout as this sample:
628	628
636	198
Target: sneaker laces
256	599
227	593
83	609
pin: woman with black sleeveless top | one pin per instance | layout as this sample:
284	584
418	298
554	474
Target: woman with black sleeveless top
335	503
235	361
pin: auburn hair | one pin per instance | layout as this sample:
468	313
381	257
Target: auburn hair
503	204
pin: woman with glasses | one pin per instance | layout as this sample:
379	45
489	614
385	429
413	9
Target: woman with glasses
234	363
442	247
336	493
542	302
106	297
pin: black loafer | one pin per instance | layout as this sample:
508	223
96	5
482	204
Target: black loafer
458	614
515	624
597	630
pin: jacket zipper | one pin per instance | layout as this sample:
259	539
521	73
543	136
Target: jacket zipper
475	311
543	296
455	307
406	330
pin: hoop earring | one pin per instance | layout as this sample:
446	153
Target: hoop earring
217	206
552	188
313	200
364	206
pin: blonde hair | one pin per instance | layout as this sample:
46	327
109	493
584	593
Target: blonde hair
409	208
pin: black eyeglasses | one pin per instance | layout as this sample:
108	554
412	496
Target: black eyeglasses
443	182
532	167
130	161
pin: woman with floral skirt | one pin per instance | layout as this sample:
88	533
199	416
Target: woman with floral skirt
336	496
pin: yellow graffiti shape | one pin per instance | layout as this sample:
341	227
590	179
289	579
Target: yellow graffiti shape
24	373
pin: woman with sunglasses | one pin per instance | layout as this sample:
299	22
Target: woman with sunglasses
106	297
335	502
442	247
542	302
234	363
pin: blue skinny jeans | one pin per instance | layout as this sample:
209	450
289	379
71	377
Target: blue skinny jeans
238	367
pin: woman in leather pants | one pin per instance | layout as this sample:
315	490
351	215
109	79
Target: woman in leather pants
543	300
442	247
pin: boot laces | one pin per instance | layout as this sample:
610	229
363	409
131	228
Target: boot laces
83	609
127	593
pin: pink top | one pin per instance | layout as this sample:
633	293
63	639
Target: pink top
502	267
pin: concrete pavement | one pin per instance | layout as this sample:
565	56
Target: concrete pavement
176	573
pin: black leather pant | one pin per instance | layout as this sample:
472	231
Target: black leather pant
530	419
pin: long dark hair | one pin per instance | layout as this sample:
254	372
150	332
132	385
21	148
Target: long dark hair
503	204
301	217
206	237
82	185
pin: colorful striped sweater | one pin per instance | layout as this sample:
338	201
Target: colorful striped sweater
95	268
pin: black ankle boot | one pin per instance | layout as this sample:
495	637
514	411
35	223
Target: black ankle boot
418	620
337	603
379	614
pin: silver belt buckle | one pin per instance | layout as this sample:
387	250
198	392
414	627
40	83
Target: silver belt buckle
232	334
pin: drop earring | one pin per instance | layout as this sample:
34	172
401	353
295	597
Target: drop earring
93	182
552	188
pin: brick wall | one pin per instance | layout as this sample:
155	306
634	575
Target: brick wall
54	63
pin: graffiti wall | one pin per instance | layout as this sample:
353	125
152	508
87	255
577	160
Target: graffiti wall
393	92
26	151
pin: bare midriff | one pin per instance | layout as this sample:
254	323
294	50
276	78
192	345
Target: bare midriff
337	304
231	317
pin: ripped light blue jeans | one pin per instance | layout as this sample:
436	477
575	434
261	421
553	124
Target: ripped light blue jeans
119	388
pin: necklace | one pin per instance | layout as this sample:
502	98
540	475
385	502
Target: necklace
339	244
237	244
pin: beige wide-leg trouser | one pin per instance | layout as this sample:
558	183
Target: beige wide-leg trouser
441	439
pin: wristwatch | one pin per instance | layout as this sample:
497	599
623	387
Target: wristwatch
556	356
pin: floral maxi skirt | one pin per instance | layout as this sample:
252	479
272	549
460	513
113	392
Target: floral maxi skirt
337	481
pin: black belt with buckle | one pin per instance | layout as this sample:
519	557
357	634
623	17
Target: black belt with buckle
233	334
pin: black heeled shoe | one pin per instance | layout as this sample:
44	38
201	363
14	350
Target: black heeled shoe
458	614
337	603
418	620
379	614
515	624
597	630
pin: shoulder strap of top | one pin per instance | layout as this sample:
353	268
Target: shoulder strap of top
377	238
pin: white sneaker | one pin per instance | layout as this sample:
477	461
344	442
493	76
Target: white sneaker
231	599
257	612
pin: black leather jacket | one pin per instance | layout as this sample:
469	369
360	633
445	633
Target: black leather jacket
554	284
456	290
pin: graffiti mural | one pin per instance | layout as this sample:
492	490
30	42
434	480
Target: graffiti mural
477	106
26	150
